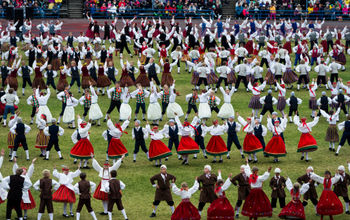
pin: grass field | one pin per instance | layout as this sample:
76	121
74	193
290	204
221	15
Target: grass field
139	193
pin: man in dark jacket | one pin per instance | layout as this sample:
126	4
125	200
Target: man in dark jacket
277	184
207	183
114	189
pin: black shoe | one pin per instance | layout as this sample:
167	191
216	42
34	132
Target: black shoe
255	161
242	156
61	158
10	160
336	154
75	162
87	167
214	161
152	215
183	162
46	158
103	213
180	158
228	157
65	215
221	161
25	217
195	158
250	160
347	212
302	158
333	150
104	120
28	159
187	164
237	216
306	161
143	119
206	157
166	159
41	155
330	149
71	214
134	161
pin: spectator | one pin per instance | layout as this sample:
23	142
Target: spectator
272	12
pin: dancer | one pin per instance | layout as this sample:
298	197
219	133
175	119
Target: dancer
154	111
43	109
206	182
276	146
173	107
139	134
90	103
115	94
232	129
293	103
52	132
20	130
226	109
277	184
346	134
140	94
69	113
341	187
41	138
332	133
254	103
116	148
191	100
33	101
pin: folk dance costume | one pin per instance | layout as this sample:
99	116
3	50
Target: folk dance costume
307	142
226	109
103	172
173	107
198	138
12	77
304	69
153	69
162	183
11	137
276	146
329	203
293	103
324	102
157	149
257	203
281	103
125	109
207	183
38	79
322	69
20	130
140	94
294	209
69	113
45	186
90	103
83	148
27	202
154	111
260	132
232	129
33	101
62	81
139	134
312	93
52	132
187	145
65	193
191	100
115	94
185	210
50	75
334	68
3	192
332	133
242	70
167	79
216	145
335	88
341	187
268	101
213	102
251	144
277	184
340	101
41	138
346	134
242	180
254	103
116	148
84	189
43	109
102	80
25	72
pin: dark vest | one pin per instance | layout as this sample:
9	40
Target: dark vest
293	101
75	72
138	134
4	72
324	102
53	131
231	128
46	188
70	41
84	189
152	69
20	129
13	41
258	131
49	74
25	72
110	72
341	98
103	55
78	135
16	187
268	101
347	126
114	189
173	134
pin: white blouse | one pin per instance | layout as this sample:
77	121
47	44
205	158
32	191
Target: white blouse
185	194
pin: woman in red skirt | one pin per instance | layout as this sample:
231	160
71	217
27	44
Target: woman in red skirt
28	201
116	148
294	209
221	207
185	210
276	146
216	145
65	193
257	204
83	148
307	142
187	145
251	144
329	203
157	149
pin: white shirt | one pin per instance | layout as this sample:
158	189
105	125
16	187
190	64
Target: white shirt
279	129
256	90
83	132
185	194
301	127
260	180
227	97
26	129
115	132
215	130
332	119
42	100
66	180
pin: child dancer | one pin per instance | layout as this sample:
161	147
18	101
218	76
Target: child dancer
41	138
139	134
226	109
154	111
216	145
116	148
332	133
277	184
276	146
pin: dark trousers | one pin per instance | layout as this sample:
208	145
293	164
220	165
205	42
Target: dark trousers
20	140
114	104
239	79
239	203
112	78
302	77
86	110
123	46
214	108
334	77
63	108
261	80
87	203
201	206
261	139
3	79
75	79
329	45
283	61
343	108
107	35
155	77
173	141
138	144
45	203
51	144
164	106
51	83
321	80
111	203
264	61
202	80
291	111
281	200
142	106
240	60
33	112
232	138
157	202
13	203
278	78
345	137
220	80
190	107
200	141
25	81
266	109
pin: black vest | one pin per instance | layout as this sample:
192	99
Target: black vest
103	55
231	128
16	187
4	72
13	41
110	72
324	102
173	134
268	101
341	98
53	131
293	102
138	134
49	74
152	69
78	135
258	131
347	126
20	130
74	72
25	72
70	41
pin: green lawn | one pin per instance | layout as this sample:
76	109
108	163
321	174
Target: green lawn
139	193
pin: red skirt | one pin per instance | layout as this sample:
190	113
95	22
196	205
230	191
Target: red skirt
251	144
307	143
216	146
324	45
89	33
27	206
98	194
329	204
293	210
288	46
1	201
249	46
158	150
185	211
116	149
276	147
63	194
82	149
187	146
257	204
220	209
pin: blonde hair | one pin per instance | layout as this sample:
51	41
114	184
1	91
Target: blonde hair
184	185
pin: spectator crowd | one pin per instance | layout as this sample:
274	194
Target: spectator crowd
40	8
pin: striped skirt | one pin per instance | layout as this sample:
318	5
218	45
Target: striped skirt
27	206
98	194
63	194
41	140
332	134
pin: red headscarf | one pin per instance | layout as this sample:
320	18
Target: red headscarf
253	178
187	124
117	125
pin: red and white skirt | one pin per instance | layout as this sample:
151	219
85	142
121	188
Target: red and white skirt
82	149
216	146
221	208
307	143
63	194
187	146
185	211
276	147
329	204
31	205
158	150
257	204
251	144
98	194
293	210
116	149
